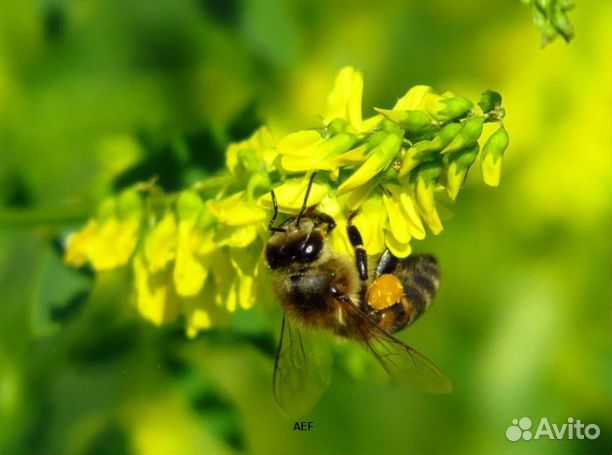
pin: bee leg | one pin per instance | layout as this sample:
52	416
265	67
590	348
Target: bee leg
326	219
387	263
361	256
271	226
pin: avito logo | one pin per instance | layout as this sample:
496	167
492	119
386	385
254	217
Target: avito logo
572	429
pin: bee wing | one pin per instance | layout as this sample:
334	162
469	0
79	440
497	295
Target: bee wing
301	371
403	363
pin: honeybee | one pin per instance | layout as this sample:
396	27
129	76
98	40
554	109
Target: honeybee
320	289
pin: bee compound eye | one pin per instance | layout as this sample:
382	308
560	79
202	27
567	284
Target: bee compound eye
276	256
310	249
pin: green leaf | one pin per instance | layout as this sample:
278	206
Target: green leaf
58	294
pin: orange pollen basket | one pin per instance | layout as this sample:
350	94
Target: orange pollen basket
385	291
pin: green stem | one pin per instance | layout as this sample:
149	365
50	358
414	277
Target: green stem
12	218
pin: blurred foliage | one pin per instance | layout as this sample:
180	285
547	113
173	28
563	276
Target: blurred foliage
550	17
96	95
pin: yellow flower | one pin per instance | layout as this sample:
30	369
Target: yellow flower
404	220
371	220
109	240
236	210
198	253
308	151
378	160
156	299
344	101
290	195
248	155
190	269
160	243
426	184
247	267
413	99
204	310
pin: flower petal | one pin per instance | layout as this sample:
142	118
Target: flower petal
155	298
380	157
413	98
160	244
372	227
244	262
356	197
189	269
299	143
406	202
238	237
200	311
398	248
345	98
77	244
236	210
398	222
320	156
290	195
258	145
223	273
355	156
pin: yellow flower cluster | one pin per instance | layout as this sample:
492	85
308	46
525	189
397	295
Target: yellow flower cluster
198	254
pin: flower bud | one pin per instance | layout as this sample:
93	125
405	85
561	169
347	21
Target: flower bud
458	167
426	181
425	150
469	133
445	109
489	100
491	157
415	121
412	121
562	24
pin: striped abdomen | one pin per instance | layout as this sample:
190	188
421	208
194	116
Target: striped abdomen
419	276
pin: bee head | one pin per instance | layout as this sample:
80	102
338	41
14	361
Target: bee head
300	242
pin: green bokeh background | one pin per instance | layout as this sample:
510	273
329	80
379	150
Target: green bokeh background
97	94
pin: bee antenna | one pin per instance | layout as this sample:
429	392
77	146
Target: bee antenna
304	204
271	226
